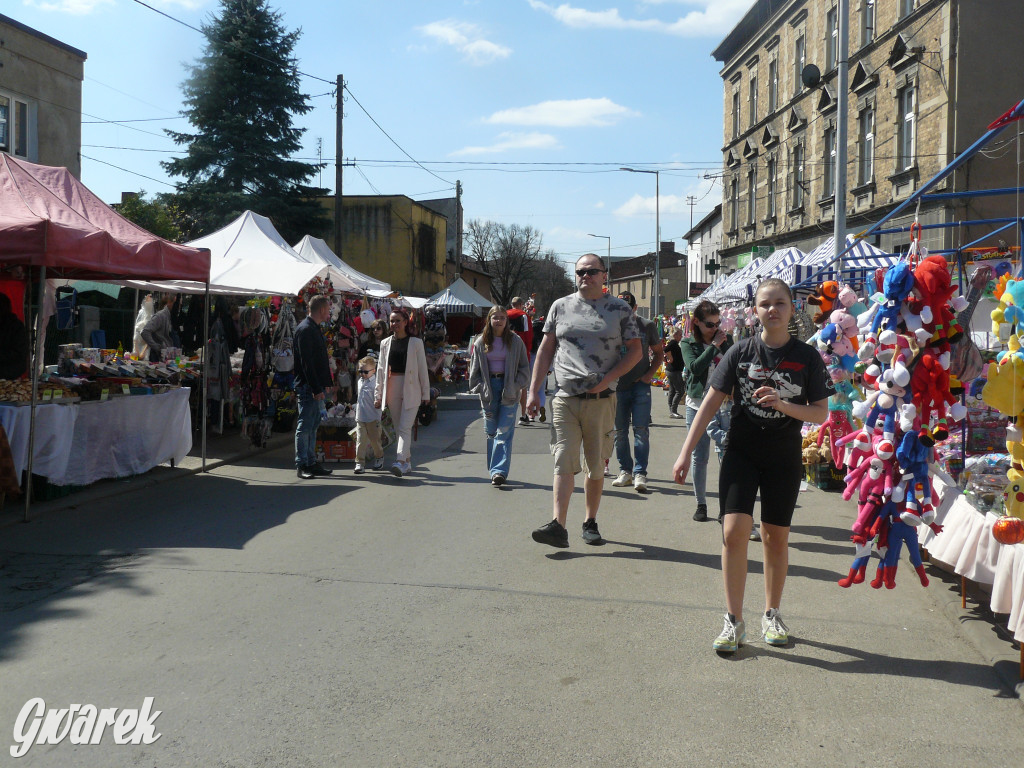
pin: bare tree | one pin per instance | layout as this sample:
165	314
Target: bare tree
550	282
481	237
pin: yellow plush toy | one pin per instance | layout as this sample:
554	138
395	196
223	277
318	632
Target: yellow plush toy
1004	389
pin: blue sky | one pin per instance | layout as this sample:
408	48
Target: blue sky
533	105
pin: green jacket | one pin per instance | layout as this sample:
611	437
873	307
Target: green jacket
697	358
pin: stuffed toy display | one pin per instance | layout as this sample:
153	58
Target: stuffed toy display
824	299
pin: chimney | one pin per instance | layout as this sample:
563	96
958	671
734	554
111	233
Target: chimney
668	246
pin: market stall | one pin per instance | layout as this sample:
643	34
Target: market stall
53	226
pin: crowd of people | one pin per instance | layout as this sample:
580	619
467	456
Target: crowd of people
737	395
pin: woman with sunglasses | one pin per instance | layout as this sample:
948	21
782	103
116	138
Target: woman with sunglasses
499	370
377	332
402	383
701	353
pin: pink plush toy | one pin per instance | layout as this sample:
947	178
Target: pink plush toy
873	482
837	426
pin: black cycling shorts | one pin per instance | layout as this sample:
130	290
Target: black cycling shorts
772	465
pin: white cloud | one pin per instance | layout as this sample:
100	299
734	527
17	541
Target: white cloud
713	18
75	7
564	113
638	205
599	204
466	38
509	141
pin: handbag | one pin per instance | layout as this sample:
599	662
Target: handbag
388	435
283	357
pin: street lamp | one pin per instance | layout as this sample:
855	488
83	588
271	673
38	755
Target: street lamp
608	263
657	236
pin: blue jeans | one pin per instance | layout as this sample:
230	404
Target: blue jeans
634	405
717	430
500	427
305	427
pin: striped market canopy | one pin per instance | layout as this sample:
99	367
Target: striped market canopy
857	262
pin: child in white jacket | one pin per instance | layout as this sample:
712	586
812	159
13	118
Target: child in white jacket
367	419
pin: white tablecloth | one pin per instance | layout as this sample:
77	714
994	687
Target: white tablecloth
55	425
85	442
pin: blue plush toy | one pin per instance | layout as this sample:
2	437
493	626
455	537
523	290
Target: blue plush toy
893	539
897	285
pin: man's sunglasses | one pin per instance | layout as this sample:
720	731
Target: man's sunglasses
364	372
589	272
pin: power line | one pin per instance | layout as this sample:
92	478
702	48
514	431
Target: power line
133	173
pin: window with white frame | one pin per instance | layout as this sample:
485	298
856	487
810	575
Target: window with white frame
751	194
907	7
799	59
773	182
736	113
796	176
734	200
832	42
16	128
866	145
773	85
752	100
867	21
905	100
829	186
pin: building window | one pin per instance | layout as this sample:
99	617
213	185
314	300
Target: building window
829	187
426	245
866	146
773	181
832	25
799	59
905	128
773	85
751	199
867	21
752	100
906	7
735	113
5	124
16	127
734	205
796	176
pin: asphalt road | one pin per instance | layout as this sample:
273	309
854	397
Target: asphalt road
370	621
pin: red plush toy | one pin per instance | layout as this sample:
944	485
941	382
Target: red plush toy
826	299
933	290
931	396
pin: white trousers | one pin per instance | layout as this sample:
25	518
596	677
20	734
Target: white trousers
402	414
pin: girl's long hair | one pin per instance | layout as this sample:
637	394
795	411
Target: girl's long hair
488	335
702	312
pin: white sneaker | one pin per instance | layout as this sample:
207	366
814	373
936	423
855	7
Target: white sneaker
732	637
397	469
378	463
358	469
640	483
773	629
676	416
624	480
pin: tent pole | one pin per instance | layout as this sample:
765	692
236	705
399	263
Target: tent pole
37	355
206	368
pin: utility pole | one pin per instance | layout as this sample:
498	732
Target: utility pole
842	107
608	261
458	223
339	115
656	293
691	200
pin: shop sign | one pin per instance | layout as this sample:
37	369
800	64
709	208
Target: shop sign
696	289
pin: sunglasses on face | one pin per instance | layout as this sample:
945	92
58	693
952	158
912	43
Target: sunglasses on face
710	325
589	272
364	372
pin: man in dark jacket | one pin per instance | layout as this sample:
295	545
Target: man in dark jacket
312	381
13	342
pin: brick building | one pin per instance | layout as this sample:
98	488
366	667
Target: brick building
926	77
636	275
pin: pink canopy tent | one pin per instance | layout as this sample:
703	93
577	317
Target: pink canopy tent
53	223
48	218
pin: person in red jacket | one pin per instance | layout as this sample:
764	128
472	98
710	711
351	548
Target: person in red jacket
520	322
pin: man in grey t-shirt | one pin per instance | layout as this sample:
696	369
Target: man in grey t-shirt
584	334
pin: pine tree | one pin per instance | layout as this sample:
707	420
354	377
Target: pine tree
241	97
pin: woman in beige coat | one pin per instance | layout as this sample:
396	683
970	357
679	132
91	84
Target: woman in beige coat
402	383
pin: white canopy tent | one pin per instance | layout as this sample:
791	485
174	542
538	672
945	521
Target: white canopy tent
460	298
316	251
862	258
247	256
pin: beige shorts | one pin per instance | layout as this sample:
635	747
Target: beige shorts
576	422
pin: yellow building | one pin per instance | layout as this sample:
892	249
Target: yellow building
393	238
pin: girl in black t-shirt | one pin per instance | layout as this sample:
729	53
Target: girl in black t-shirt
777	383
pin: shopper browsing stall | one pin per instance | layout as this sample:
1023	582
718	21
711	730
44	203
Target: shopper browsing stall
499	370
312	381
402	384
159	331
777	382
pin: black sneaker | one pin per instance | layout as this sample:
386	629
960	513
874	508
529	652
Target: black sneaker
552	534
701	515
319	470
590	533
306	473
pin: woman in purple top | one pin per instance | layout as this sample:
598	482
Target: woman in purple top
499	370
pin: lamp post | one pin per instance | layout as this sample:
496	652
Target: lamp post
657	237
608	262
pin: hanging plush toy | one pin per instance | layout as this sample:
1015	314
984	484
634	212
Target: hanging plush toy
1011	307
933	284
825	299
873	482
896	287
880	411
839	338
915	488
896	534
931	397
